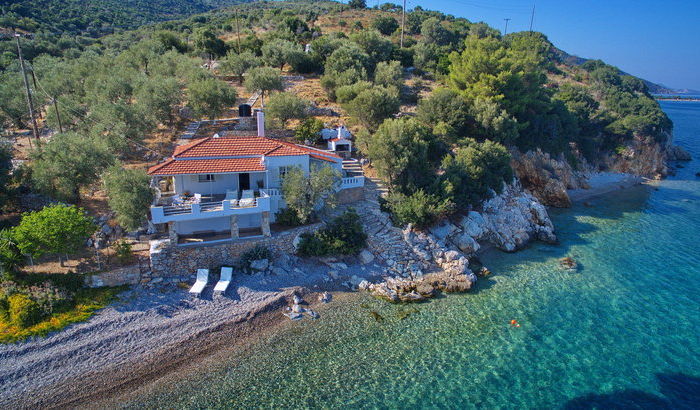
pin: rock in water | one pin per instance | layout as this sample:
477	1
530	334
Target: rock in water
568	263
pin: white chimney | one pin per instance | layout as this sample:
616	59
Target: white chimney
261	124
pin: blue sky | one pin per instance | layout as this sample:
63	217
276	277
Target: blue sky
658	40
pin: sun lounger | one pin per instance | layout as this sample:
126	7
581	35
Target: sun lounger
224	281
201	282
247	198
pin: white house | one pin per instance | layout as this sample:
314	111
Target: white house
226	187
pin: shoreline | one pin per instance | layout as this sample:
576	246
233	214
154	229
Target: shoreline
604	183
151	334
250	311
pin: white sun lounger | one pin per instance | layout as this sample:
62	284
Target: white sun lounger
201	282
224	281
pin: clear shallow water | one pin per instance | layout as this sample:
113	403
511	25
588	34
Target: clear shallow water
622	331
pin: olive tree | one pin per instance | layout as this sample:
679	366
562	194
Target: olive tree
67	163
285	106
130	195
306	194
239	64
209	97
265	79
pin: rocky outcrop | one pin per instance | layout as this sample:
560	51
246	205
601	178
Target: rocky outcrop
676	153
640	156
414	290
508	221
547	177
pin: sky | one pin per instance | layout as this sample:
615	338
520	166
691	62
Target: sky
658	40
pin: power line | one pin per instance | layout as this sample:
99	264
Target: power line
403	21
87	119
30	103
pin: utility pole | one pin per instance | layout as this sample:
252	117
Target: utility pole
532	17
26	86
506	32
238	33
403	20
58	115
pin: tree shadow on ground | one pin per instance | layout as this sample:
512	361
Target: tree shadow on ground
679	391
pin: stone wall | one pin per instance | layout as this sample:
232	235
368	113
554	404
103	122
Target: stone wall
129	275
182	261
350	195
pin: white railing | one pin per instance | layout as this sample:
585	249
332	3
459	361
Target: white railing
162	214
271	192
352	182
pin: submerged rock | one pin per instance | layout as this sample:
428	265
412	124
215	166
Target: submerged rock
325	297
568	263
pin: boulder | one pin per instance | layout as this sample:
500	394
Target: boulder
474	224
443	230
466	243
260	265
366	257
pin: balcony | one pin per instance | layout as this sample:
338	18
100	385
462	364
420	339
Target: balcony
210	208
352	182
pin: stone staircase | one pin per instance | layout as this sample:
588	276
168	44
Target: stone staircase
384	240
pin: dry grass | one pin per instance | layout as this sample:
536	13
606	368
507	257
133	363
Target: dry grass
87	260
331	22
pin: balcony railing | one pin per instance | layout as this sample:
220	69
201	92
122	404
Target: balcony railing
172	213
352	182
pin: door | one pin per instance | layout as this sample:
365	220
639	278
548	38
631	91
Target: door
243	181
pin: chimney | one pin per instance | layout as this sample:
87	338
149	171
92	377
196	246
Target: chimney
261	124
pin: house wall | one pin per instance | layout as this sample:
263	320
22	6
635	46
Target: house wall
273	164
221	183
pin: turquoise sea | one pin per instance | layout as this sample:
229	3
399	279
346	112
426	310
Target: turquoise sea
621	332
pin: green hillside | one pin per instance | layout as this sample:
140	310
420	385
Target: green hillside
98	17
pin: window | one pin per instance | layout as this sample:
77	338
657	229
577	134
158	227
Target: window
206	178
283	172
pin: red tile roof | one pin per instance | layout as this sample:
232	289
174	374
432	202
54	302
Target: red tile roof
213	155
207	166
242	146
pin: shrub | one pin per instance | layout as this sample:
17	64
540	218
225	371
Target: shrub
4	309
385	24
23	311
419	208
475	170
342	236
288	217
309	130
122	250
254	254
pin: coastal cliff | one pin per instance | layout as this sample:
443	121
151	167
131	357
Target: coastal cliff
550	178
